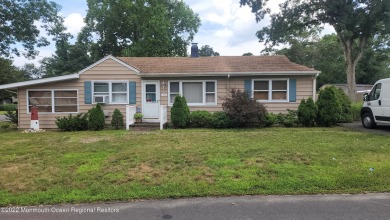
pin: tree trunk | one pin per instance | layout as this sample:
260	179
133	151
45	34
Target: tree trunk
351	79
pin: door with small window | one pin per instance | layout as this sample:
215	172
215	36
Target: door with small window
150	99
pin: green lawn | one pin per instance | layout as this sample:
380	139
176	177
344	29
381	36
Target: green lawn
2	112
59	167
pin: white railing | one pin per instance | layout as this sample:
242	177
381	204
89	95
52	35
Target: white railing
130	111
163	116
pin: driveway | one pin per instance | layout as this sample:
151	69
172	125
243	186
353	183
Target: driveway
357	126
3	118
367	206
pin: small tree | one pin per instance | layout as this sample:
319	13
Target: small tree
96	118
117	119
329	107
307	112
180	113
243	110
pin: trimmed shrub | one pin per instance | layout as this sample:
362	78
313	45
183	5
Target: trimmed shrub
96	118
243	110
8	107
180	113
220	120
329	107
307	112
355	110
117	119
12	116
288	120
270	119
200	119
346	111
73	123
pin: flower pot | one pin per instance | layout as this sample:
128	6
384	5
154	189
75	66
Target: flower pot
138	120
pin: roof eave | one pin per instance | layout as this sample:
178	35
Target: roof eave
278	73
39	81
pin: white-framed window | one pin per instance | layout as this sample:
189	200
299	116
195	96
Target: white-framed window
53	101
270	90
196	92
113	92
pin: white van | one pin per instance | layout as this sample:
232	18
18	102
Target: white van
376	106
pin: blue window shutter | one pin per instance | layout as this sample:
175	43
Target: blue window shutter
132	93
87	92
292	90
248	87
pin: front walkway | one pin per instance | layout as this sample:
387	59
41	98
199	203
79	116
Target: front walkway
3	118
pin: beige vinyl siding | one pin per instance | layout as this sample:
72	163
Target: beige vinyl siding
106	71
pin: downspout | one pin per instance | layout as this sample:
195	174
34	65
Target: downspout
228	82
17	93
315	87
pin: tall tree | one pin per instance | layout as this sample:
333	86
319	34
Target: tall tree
248	54
9	74
355	23
68	58
140	27
207	51
18	24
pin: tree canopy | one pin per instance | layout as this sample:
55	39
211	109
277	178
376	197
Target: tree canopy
355	23
18	24
207	51
140	27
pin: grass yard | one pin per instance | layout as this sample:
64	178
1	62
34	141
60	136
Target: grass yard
59	167
2	112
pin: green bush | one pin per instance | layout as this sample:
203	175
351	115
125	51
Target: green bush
355	109
8	107
180	113
96	118
73	123
200	119
220	120
329	107
242	110
270	119
346	111
12	116
288	120
307	112
117	119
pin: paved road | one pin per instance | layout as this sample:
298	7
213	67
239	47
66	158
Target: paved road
3	118
368	206
357	126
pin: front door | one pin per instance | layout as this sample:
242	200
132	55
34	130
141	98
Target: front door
150	99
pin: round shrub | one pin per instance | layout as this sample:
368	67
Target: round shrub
307	112
73	123
329	107
242	110
180	113
346	109
288	120
270	119
200	119
220	120
117	119
96	118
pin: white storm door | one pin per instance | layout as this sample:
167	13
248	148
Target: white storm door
150	98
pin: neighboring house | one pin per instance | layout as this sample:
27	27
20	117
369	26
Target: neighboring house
360	89
149	82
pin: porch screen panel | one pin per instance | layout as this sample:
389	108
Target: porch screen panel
65	101
40	99
193	92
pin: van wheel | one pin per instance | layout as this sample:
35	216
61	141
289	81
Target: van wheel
368	120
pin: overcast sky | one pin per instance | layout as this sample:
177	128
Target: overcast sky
228	28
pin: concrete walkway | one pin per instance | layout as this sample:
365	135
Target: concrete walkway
357	126
367	206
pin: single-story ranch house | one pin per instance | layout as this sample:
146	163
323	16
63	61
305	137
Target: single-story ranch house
148	82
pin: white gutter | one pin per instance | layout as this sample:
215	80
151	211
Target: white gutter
39	81
279	73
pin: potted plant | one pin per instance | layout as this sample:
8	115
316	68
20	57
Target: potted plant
138	117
